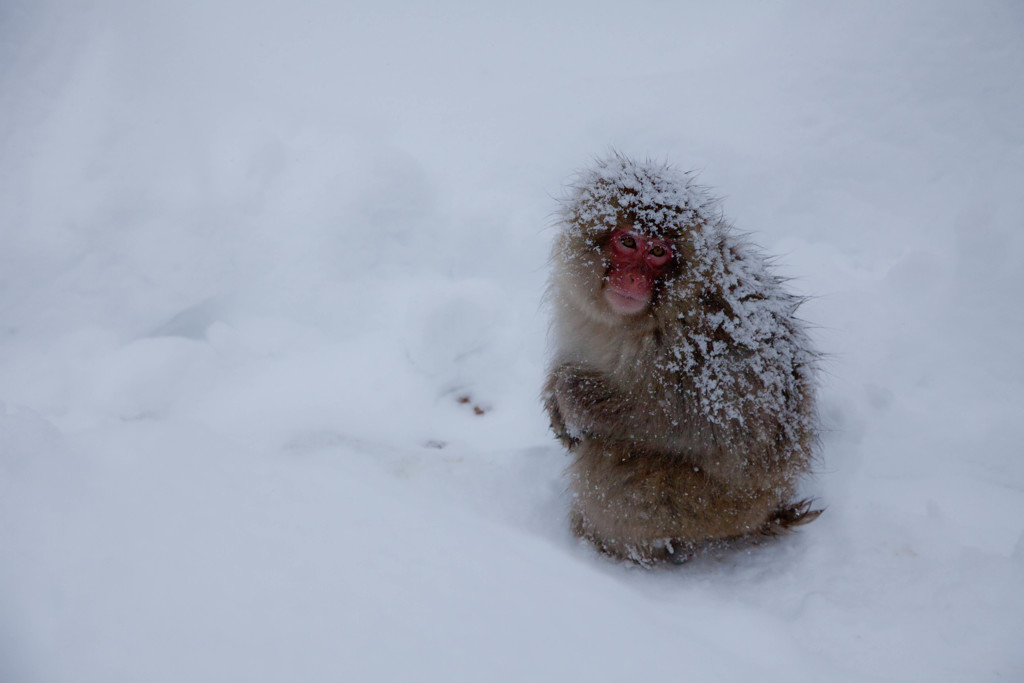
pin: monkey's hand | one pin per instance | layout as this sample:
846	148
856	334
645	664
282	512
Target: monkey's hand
551	404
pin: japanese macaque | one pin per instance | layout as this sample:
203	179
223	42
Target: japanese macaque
681	382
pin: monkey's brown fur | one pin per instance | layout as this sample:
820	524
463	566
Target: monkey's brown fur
690	423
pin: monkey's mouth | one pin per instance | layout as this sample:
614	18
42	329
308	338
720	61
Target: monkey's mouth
625	303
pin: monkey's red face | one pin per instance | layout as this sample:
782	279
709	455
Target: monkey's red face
636	263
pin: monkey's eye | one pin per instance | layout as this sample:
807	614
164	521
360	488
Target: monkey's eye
628	242
659	255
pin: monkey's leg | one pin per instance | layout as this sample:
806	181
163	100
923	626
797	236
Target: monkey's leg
654	506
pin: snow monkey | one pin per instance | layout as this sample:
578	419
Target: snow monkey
681	382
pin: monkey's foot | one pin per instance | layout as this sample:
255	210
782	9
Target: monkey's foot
647	553
789	516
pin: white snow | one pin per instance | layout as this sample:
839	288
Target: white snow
252	255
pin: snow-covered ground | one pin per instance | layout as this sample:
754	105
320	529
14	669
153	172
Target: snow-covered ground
256	256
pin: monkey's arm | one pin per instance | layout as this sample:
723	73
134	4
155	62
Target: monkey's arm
585	404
